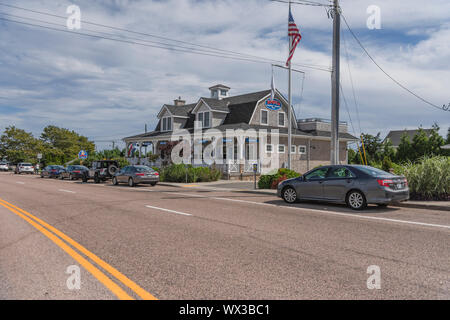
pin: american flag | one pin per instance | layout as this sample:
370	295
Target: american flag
294	37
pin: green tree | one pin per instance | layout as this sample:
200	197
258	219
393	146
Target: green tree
62	145
17	145
435	141
404	150
448	136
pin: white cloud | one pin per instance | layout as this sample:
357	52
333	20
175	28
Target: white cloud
102	88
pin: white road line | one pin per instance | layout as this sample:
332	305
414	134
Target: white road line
172	211
322	211
68	191
20	182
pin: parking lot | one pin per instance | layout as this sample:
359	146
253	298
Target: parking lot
187	243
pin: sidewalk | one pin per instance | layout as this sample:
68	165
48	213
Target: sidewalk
248	187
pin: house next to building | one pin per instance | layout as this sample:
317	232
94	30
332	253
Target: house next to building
256	110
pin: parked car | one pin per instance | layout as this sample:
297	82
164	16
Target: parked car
101	170
52	171
355	185
134	175
24	167
74	172
4	166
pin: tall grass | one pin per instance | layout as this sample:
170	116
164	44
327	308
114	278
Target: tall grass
428	179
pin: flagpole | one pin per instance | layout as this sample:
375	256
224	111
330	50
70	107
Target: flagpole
289	98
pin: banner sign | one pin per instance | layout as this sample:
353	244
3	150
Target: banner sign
273	105
82	154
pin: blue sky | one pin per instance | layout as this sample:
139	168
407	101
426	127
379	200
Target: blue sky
108	90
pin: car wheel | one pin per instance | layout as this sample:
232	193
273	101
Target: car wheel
356	200
153	184
61	177
131	182
96	179
84	179
289	195
114	181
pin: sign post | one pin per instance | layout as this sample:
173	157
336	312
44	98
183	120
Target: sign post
255	170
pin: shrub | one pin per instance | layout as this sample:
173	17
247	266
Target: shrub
182	173
429	179
271	181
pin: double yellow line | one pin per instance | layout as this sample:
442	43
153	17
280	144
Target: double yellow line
57	237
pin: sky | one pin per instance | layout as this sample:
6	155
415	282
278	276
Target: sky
108	90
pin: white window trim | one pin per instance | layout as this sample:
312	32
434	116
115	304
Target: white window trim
203	120
162	124
295	149
284	122
299	149
284	148
271	145
260	118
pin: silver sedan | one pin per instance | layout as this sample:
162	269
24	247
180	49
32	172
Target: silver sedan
355	185
134	175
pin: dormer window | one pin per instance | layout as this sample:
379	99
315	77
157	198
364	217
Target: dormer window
166	124
204	118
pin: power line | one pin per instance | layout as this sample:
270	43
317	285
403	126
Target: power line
387	74
217	52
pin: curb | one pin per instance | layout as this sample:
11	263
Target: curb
263	191
421	206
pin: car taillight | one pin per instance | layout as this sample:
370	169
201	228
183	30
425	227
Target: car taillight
77	171
140	174
156	174
385	182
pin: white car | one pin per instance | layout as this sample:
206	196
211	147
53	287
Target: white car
24	167
4	166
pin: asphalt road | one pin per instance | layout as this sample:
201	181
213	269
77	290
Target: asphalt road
187	243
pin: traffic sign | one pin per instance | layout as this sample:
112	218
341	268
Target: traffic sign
82	154
39	156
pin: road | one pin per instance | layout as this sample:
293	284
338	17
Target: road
189	243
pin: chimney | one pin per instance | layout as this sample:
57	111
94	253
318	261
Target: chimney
178	102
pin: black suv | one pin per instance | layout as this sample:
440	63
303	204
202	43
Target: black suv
101	170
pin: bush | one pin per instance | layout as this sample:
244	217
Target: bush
429	179
178	172
271	181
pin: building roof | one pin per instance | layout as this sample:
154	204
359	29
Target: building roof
396	135
219	86
239	110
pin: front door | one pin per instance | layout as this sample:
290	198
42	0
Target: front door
312	185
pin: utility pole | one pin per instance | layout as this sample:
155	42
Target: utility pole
334	151
289	100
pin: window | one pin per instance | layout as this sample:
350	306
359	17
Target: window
281	116
269	148
317	174
293	149
341	172
223	92
302	149
167	124
264	117
204	118
281	148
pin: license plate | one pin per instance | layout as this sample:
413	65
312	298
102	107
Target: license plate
399	185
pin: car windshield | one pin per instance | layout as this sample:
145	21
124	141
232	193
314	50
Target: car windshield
374	172
79	168
26	164
143	169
